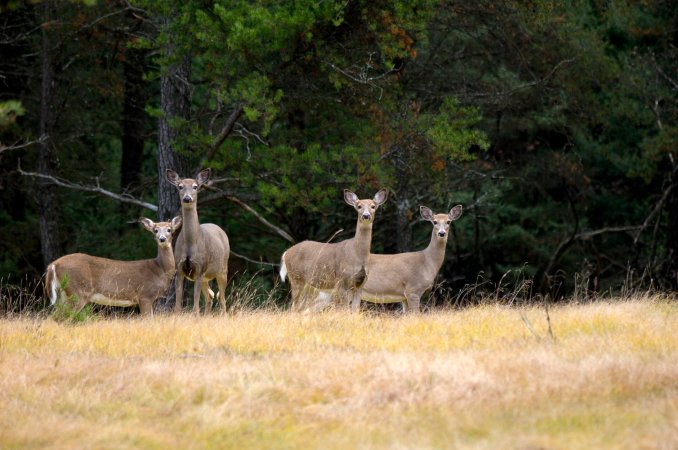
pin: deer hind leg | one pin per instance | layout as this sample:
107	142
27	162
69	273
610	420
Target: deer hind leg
221	283
412	303
146	308
80	302
296	287
302	297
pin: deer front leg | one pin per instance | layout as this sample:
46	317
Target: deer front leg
354	298
197	289
179	291
208	300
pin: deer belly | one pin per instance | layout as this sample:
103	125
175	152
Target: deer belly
381	298
101	299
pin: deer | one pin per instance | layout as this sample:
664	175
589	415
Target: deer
92	279
341	266
201	250
405	277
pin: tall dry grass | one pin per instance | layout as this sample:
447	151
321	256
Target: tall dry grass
474	378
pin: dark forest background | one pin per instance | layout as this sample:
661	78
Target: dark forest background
552	122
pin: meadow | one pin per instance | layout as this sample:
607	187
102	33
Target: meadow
484	377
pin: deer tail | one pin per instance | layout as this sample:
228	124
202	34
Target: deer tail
52	283
283	268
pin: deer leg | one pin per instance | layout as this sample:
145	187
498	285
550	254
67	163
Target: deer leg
179	291
296	295
208	300
412	303
221	283
197	287
354	297
80	303
146	308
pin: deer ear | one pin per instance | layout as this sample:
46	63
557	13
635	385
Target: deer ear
381	196
350	197
204	176
146	223
176	223
455	212
172	177
426	213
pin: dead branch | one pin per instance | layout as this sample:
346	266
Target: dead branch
17	146
238	255
279	231
125	198
223	134
654	211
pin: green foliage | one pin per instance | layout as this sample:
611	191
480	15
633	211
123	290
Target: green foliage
65	310
453	130
9	112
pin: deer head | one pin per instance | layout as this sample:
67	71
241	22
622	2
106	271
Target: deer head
365	208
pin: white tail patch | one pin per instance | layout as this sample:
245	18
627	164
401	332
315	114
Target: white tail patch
53	285
283	268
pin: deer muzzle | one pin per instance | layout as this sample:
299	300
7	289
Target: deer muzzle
187	199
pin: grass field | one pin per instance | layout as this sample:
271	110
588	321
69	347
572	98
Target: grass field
484	377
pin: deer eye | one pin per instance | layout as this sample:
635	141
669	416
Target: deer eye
372	206
195	186
449	222
155	231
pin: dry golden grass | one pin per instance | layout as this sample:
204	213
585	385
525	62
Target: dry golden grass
476	378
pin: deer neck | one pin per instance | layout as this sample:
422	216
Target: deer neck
165	259
435	252
191	225
363	239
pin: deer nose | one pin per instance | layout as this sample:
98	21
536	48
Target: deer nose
162	238
441	233
187	199
366	216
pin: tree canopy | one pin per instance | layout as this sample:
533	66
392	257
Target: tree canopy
553	123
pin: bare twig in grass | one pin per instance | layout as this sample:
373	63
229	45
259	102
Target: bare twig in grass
528	324
548	316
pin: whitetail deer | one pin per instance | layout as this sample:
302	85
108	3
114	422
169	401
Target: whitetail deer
201	250
404	277
326	267
91	279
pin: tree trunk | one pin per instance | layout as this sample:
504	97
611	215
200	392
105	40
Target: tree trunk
403	206
133	120
672	233
175	101
48	163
